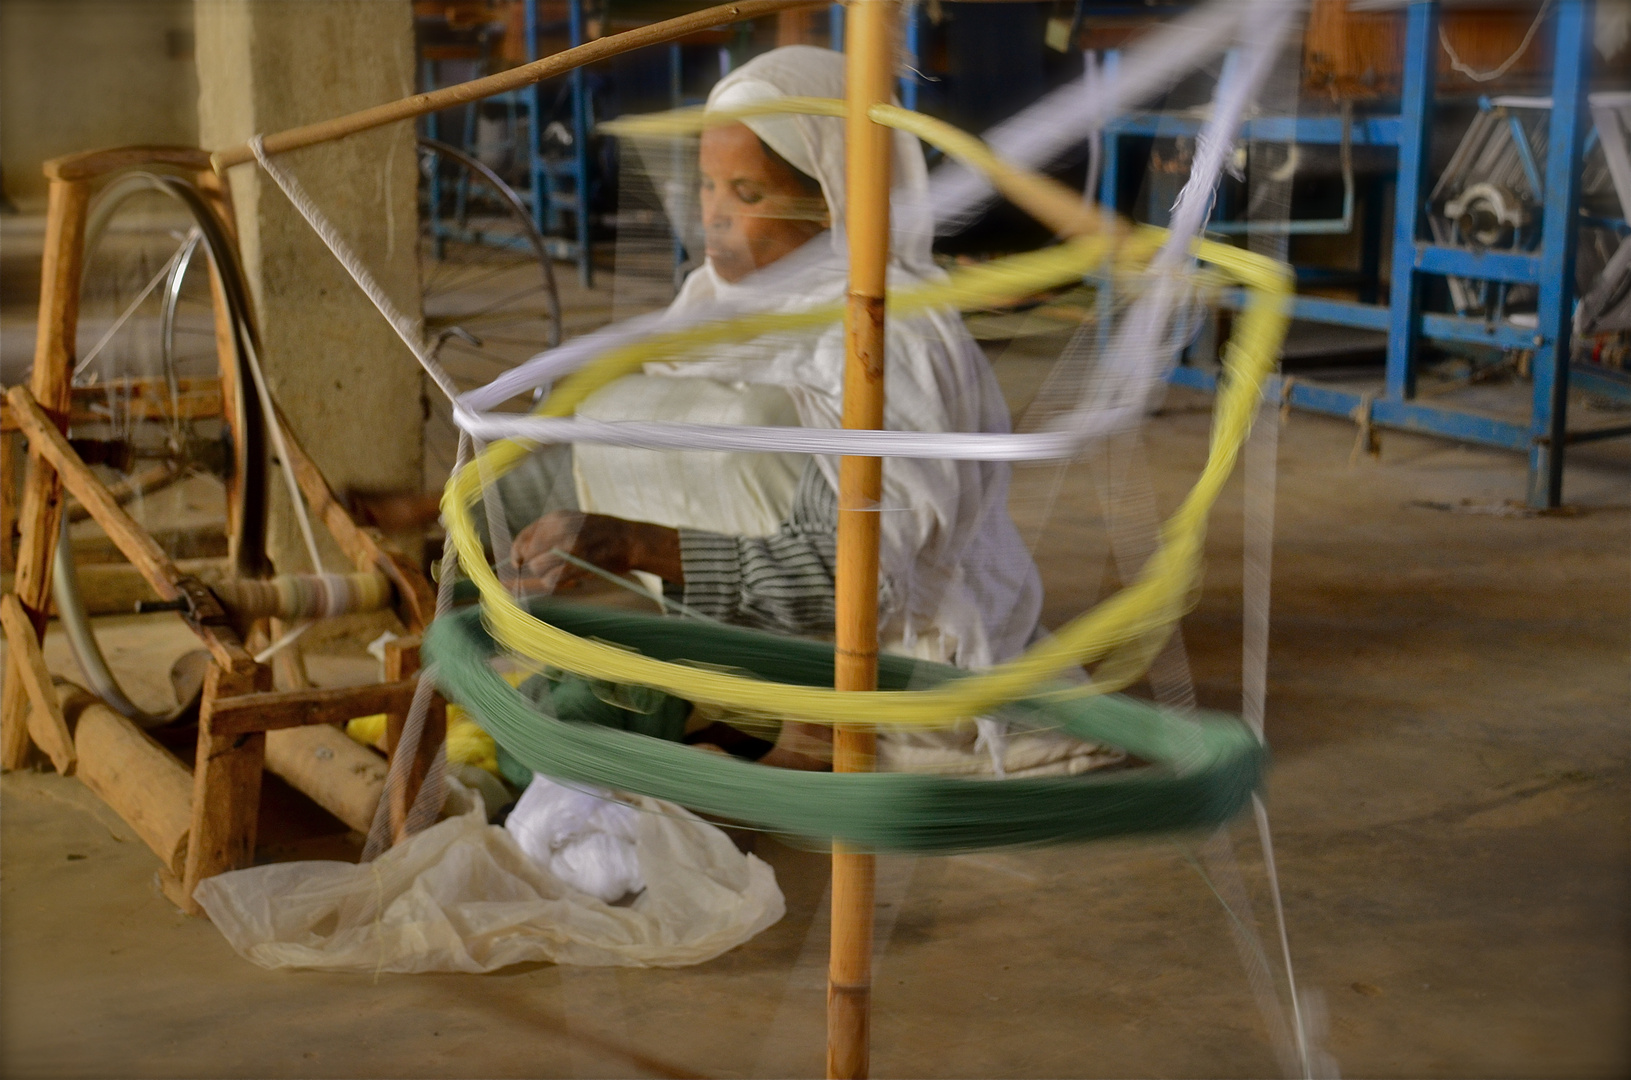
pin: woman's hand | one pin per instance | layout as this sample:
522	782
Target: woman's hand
613	544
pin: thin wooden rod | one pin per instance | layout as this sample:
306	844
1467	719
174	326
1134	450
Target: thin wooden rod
548	68
869	74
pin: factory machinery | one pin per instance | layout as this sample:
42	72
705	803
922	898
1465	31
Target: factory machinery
1515	252
1525	226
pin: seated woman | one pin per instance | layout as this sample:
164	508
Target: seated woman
751	539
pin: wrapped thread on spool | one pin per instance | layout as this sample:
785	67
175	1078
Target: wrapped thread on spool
297	596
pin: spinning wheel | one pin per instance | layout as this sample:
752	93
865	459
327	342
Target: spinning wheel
138	287
164	408
487	285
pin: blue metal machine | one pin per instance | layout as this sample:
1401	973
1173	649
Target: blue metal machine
560	188
1548	265
555	189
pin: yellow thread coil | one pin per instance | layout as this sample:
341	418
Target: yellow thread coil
1138	617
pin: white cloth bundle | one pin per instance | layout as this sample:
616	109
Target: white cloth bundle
587	838
463	896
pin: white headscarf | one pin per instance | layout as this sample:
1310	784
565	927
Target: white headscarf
957	583
814	145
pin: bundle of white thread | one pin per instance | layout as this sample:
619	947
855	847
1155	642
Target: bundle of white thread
584	836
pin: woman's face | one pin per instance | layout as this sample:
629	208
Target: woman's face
755	208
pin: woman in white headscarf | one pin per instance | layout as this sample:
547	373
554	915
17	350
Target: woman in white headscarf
751	538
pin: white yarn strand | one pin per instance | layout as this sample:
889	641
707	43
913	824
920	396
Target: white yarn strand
1261	469
1262	28
407	329
1052	445
1061	120
283	642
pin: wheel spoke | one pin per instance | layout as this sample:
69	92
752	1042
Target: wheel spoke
501	302
486	274
164	272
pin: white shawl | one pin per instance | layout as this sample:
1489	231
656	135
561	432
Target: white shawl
957	583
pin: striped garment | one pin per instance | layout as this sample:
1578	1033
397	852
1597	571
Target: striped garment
781	582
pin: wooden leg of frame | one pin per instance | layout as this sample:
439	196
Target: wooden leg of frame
8	501
288	668
402	662
226	788
430	745
15	744
45	722
41	510
42	517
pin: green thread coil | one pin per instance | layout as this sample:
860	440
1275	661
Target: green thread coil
1200	768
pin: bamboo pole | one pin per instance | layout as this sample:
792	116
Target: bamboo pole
869	75
514	79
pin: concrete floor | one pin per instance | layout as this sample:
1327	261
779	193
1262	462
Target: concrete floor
1448	706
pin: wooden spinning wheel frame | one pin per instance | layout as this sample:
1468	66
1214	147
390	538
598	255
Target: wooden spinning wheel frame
215	829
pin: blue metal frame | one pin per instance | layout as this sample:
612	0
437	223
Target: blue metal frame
1555	314
907	84
541	192
542	189
914	41
580	149
1416	125
1550	267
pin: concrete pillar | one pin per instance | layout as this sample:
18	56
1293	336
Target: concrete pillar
352	391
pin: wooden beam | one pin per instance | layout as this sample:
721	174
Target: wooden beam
45	723
114	588
366	548
139	779
206	617
330	768
402	663
41	510
869	48
226	784
89	164
142	398
402	658
514	79
8	500
276	709
149	399
131	539
191	543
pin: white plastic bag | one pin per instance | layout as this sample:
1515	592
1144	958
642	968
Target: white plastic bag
584	836
463	896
